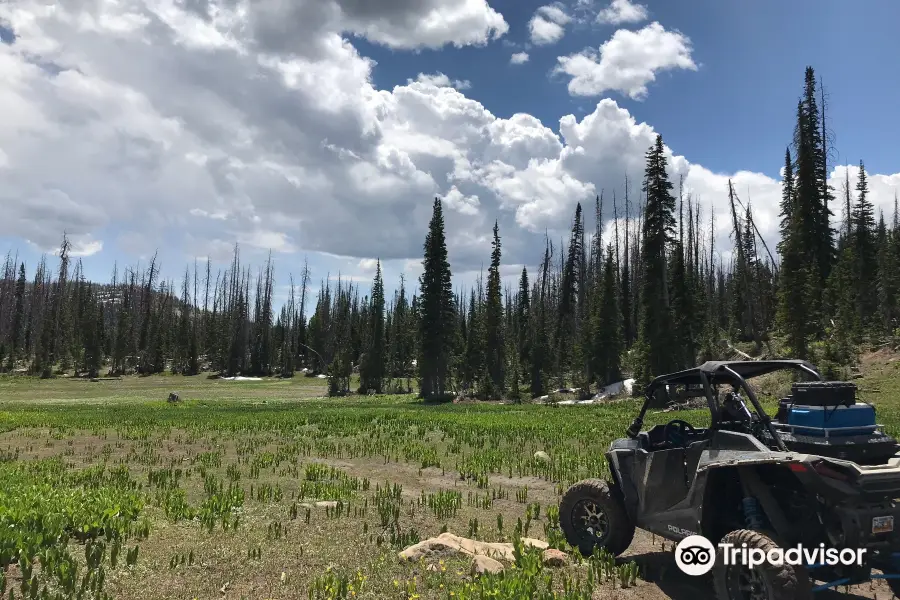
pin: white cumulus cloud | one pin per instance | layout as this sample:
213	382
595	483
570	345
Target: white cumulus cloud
519	58
466	205
620	12
441	80
548	25
301	25
628	62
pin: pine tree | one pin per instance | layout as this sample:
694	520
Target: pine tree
372	369
472	359
122	347
865	252
888	269
523	321
437	311
566	322
806	211
827	251
607	326
93	343
52	319
17	333
817	188
180	365
625	267
681	296
539	344
788	200
794	289
403	335
494	341
806	246
659	349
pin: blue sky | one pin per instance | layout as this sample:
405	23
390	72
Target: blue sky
736	112
162	127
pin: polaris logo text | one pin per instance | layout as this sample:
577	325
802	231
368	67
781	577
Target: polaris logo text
679	531
696	555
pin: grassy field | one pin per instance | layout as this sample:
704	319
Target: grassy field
215	497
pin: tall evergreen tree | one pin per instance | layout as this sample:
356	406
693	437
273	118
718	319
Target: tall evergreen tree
92	325
566	319
658	349
681	296
523	323
607	326
494	340
473	353
372	370
17	332
539	344
403	336
888	279
437	310
819	195
806	247
865	252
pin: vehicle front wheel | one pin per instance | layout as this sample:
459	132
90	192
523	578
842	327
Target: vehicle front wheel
763	582
591	515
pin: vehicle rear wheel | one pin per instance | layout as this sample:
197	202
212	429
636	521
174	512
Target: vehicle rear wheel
763	582
592	516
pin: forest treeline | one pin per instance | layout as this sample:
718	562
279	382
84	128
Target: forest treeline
650	299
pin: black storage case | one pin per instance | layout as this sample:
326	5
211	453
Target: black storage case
823	393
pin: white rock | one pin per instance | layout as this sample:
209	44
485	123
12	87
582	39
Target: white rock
320	504
448	544
485	564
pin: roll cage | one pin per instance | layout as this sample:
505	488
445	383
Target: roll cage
714	373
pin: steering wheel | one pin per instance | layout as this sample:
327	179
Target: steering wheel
678	432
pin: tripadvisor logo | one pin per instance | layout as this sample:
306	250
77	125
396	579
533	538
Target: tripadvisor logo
696	555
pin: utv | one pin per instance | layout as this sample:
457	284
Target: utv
821	474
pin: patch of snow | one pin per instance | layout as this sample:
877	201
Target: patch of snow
614	389
322	376
239	378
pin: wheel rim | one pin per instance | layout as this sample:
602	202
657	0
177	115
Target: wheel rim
590	521
748	584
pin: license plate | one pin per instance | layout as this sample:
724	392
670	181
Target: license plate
882	524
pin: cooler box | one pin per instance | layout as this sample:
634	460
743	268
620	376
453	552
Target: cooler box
857	419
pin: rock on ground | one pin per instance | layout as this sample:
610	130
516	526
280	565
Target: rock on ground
542	456
485	564
555	558
448	544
